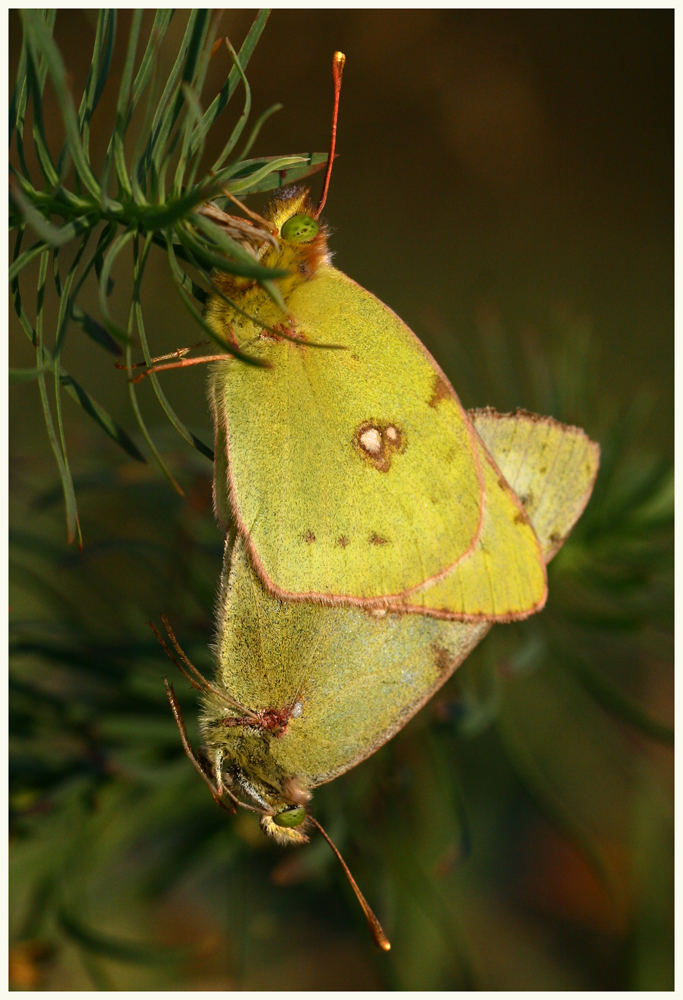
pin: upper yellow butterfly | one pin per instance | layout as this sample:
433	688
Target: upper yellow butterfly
355	475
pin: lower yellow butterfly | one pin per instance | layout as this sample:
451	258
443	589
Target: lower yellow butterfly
304	692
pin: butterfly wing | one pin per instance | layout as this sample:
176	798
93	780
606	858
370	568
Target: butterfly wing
551	466
356	476
352	677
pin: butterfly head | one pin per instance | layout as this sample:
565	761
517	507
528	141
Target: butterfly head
302	238
287	819
286	826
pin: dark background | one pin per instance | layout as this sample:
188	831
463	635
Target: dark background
504	182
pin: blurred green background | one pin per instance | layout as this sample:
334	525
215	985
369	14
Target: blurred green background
504	182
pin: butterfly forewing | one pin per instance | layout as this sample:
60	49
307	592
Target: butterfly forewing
356	476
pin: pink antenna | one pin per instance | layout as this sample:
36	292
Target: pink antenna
376	929
338	60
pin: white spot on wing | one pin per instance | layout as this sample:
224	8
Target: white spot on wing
371	441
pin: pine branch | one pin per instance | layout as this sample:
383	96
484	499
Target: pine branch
147	191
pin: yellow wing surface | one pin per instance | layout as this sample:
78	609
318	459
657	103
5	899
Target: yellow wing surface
355	475
347	679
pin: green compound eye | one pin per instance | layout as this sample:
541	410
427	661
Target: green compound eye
300	229
295	815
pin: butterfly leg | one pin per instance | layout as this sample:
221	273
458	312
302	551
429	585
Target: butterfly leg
181	362
215	789
178	354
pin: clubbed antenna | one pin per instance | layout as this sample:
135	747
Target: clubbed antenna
338	60
376	929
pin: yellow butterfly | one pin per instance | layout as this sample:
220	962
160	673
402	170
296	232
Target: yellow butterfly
304	692
354	475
